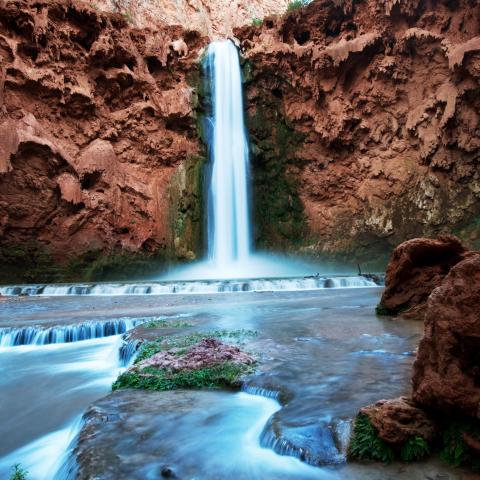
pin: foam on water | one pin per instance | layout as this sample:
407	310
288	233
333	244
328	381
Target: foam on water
43	457
11	337
191	287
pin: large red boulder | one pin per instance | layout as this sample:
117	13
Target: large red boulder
446	374
417	267
399	419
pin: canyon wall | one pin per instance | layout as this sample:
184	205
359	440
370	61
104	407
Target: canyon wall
99	152
213	18
364	121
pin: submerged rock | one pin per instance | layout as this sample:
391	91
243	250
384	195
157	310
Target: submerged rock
446	373
417	267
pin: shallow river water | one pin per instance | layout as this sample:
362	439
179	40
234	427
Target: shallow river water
323	355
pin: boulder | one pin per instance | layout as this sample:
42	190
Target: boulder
446	373
416	267
399	419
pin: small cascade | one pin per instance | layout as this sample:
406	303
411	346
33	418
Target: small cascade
12	337
128	352
315	445
192	287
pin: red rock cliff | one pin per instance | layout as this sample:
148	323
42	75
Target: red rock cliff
98	140
377	103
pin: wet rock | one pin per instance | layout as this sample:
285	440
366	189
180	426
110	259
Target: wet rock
417	267
312	444
398	420
446	374
367	176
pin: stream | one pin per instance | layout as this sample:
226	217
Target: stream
323	355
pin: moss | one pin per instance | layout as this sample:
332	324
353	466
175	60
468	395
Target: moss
469	234
186	209
27	262
383	311
366	444
32	263
166	324
414	449
224	375
278	211
454	449
18	473
296	4
257	22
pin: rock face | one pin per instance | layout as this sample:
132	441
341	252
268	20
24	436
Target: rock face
444	411
398	420
98	141
417	267
446	374
213	18
364	122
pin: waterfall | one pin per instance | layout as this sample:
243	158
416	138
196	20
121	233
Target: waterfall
229	230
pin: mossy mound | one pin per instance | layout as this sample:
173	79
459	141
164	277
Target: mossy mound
452	446
174	350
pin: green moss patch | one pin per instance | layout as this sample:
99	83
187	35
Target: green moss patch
384	311
279	213
221	375
225	375
32	262
18	473
415	448
157	323
366	444
454	450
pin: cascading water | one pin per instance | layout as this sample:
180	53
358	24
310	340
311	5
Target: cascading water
229	228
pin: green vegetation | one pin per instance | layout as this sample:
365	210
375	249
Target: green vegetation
32	262
257	22
127	16
18	473
469	234
186	208
278	211
455	451
296	4
157	323
366	444
416	448
383	311
224	375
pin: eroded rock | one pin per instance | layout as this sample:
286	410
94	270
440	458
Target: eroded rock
371	108
417	267
446	373
399	419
